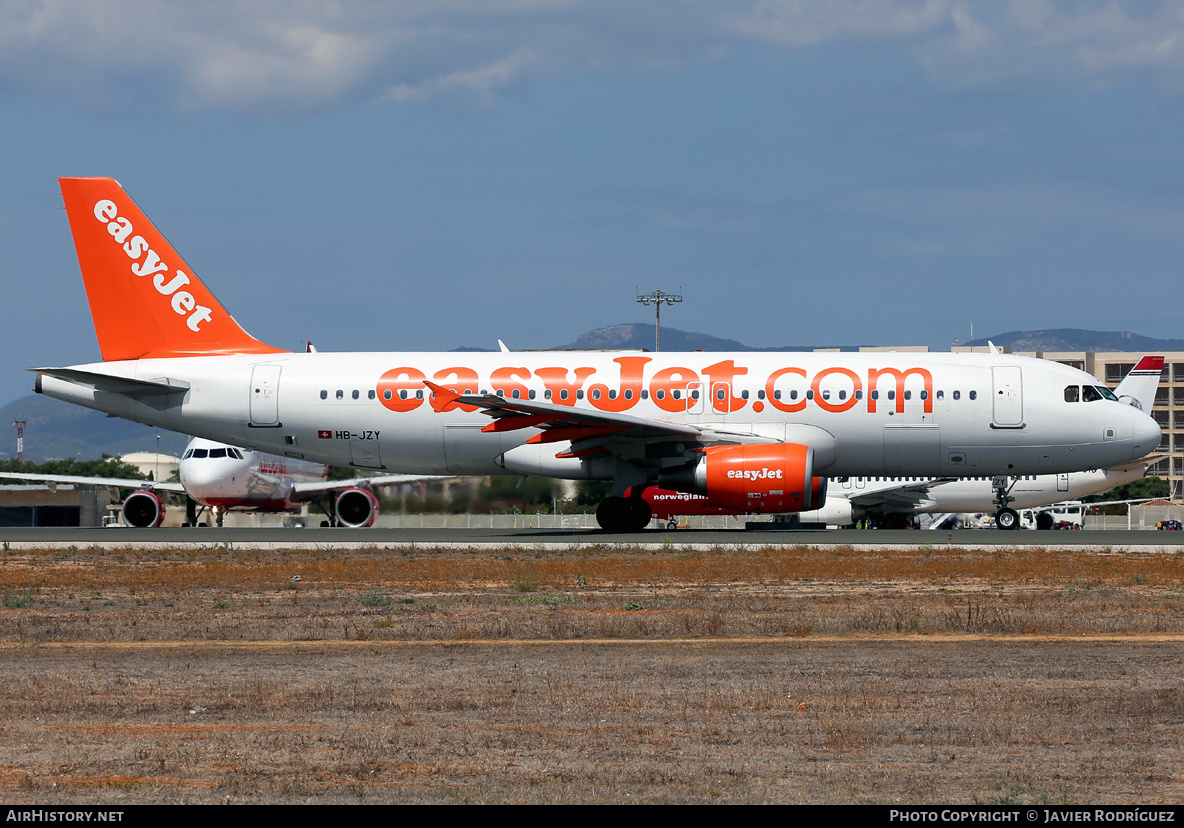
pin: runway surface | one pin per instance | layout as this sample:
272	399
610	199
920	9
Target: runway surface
1148	541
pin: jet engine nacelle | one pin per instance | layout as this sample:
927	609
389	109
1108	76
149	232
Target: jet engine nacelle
356	508
144	510
837	512
766	477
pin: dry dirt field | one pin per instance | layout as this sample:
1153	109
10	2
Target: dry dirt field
785	675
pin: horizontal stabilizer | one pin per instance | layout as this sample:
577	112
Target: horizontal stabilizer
118	385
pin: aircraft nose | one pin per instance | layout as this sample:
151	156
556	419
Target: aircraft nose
1145	434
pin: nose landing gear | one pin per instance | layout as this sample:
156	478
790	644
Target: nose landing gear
1006	517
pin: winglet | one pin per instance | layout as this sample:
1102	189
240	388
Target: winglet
442	399
144	299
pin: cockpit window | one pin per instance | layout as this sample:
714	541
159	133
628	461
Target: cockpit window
199	454
1107	393
218	452
1072	393
187	455
1090	394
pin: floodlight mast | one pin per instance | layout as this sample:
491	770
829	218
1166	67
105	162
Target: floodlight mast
657	298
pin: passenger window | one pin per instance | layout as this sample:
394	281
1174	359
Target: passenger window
908	395
402	394
324	394
891	395
563	393
612	393
340	394
957	395
842	395
356	394
370	394
516	393
628	393
720	394
595	393
530	393
941	394
660	394
743	395
974	395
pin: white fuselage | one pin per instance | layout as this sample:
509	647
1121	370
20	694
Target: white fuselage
975	494
895	414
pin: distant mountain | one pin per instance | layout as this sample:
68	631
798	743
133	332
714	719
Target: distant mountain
58	430
640	335
1076	339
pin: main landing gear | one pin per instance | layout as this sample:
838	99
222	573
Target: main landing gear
1006	517
623	514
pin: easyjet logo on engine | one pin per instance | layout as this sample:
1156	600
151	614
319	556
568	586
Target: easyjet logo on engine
755	474
146	262
714	388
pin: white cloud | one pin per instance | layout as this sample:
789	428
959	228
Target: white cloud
260	54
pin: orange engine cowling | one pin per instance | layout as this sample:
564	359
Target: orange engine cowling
767	477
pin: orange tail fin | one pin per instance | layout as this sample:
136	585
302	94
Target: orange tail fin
145	301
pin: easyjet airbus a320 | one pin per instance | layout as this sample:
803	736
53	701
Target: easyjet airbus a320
754	432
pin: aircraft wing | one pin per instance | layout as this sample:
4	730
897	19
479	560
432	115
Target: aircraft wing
565	422
310	489
115	482
902	494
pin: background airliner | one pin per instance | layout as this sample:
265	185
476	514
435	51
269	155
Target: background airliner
754	432
225	478
892	499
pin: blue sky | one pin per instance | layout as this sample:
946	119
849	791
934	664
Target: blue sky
425	175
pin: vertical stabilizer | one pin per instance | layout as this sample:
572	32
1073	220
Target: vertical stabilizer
144	299
1141	383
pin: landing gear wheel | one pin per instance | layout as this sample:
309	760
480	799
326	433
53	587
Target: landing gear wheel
1044	521
623	514
1007	519
672	524
639	514
613	514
